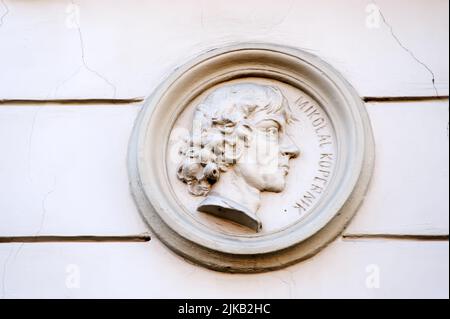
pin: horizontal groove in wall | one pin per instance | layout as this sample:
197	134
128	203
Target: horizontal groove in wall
146	238
397	237
72	101
394	99
367	99
75	239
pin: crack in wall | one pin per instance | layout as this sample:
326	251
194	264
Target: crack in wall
289	281
41	226
65	81
44	208
406	49
30	141
288	285
83	58
202	15
270	28
283	19
5	268
18	251
84	61
2	18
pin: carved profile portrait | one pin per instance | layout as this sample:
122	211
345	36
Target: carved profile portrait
238	148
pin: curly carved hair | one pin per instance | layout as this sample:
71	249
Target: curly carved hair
221	129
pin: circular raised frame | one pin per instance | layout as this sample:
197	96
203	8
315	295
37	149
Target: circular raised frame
190	239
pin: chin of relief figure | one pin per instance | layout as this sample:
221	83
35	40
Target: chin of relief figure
238	149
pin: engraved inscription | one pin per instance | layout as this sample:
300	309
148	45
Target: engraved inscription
318	122
326	159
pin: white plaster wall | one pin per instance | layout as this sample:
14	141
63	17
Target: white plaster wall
63	166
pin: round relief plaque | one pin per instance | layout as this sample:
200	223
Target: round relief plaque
251	157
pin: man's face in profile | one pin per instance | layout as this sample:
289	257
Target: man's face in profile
264	163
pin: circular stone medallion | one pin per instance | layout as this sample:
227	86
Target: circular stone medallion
251	157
